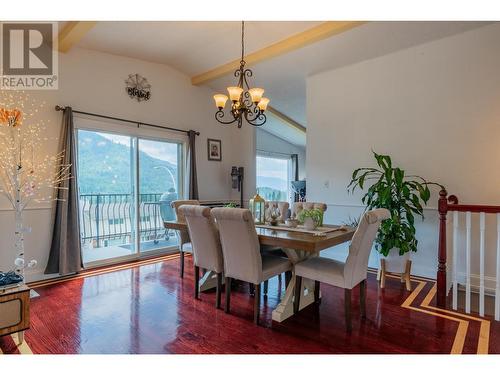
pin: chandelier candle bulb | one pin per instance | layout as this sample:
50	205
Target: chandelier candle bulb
234	93
263	104
256	94
220	100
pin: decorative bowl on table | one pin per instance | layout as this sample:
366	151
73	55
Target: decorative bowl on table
291	223
273	222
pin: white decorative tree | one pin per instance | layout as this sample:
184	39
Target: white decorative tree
25	174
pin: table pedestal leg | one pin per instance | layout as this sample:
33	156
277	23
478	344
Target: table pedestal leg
209	281
285	308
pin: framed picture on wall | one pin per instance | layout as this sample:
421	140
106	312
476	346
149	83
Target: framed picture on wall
214	149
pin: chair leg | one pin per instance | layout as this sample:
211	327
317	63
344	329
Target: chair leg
316	291
228	295
251	288
362	298
182	264
256	308
347	307
196	282
288	277
279	278
218	290
298	292
266	287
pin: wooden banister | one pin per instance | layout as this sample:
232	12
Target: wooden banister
446	204
441	272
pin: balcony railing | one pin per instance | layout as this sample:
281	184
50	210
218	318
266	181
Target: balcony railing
106	218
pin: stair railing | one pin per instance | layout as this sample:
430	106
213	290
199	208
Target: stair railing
450	204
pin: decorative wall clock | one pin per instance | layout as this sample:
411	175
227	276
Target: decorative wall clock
138	87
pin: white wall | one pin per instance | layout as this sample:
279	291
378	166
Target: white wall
270	143
94	82
434	108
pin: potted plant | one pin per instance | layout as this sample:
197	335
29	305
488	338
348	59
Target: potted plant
310	218
404	196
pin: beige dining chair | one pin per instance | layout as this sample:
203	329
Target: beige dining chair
183	235
242	257
348	274
299	206
205	242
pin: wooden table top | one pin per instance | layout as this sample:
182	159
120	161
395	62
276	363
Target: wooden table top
291	240
13	290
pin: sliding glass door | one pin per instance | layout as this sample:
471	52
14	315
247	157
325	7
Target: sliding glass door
159	184
126	184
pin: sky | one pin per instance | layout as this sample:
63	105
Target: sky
273	167
160	150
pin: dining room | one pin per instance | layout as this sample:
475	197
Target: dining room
209	191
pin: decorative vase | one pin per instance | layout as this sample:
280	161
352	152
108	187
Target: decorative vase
309	223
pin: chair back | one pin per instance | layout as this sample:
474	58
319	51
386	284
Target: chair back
282	208
184	235
207	251
356	265
240	244
299	206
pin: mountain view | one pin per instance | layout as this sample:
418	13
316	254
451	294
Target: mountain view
272	178
105	166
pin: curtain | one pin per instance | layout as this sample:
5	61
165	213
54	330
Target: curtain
65	251
191	166
295	172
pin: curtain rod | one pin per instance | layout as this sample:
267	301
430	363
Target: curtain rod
274	152
138	123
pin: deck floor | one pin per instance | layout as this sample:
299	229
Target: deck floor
147	308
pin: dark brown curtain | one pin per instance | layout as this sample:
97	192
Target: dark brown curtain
295	171
192	175
65	251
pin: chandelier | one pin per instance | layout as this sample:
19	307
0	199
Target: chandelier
246	102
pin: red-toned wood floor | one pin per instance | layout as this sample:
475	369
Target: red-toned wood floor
149	309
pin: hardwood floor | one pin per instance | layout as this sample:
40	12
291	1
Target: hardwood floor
148	308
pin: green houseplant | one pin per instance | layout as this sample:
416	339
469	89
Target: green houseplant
311	218
403	195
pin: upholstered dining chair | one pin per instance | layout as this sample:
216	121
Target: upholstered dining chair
242	257
282	207
348	274
183	235
205	242
299	206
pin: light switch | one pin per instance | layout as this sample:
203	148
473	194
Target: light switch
326	184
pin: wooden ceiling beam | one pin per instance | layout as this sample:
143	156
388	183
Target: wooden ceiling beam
72	33
315	34
284	118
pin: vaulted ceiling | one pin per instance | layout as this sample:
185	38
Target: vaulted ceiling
195	48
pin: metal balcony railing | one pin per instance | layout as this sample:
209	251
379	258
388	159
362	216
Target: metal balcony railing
106	218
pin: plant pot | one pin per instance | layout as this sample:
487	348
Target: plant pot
395	263
309	223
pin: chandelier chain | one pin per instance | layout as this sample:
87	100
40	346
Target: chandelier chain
242	43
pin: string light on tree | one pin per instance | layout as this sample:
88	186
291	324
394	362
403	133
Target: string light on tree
25	174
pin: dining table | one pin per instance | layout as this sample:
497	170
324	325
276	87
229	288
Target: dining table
298	244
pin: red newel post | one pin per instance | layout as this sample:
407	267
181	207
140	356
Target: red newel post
441	273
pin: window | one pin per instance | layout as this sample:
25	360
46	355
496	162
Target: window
273	177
